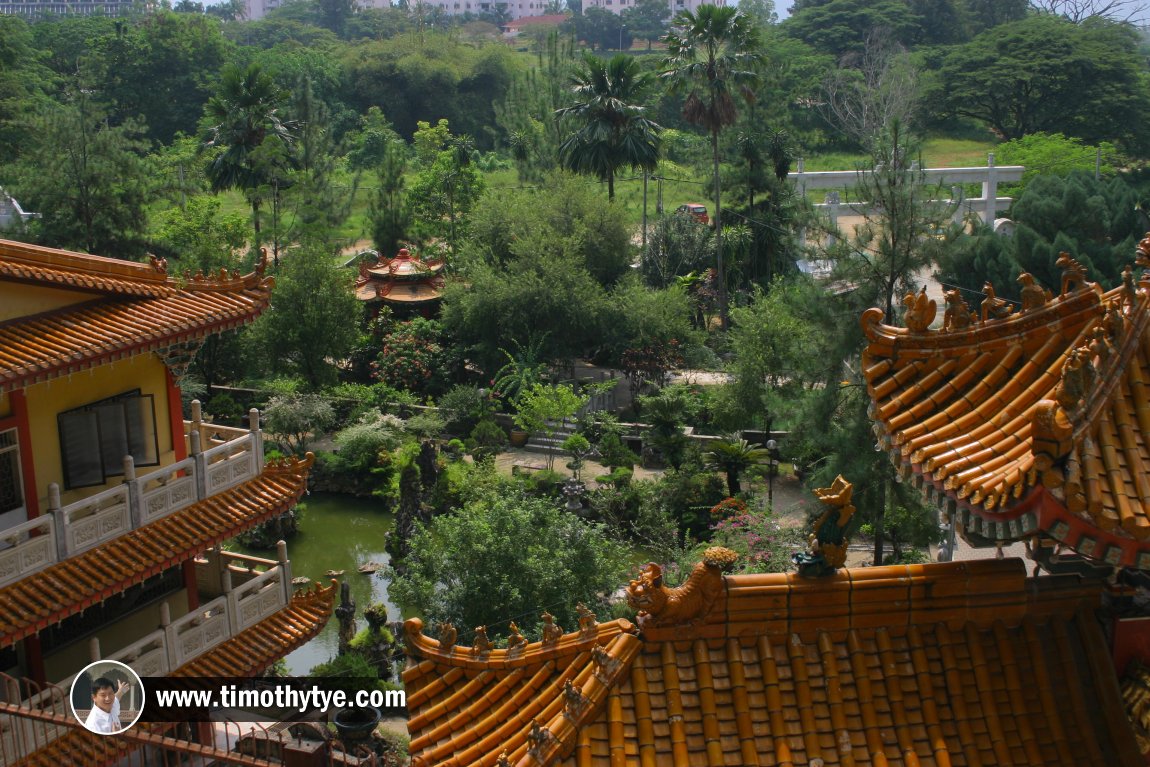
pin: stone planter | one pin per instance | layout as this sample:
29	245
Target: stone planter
356	724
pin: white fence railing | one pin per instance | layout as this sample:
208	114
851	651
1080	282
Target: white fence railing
158	653
27	548
220	458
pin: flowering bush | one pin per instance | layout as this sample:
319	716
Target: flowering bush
762	545
728	507
411	357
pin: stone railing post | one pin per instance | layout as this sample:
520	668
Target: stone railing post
990	191
258	447
201	464
233	607
212	572
833	200
285	569
61	523
170	638
135	496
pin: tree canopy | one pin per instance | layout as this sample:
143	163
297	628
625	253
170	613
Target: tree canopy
1048	74
507	557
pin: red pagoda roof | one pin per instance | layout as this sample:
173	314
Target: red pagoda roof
405	279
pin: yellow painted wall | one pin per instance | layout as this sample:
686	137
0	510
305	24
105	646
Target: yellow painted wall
20	300
113	637
46	400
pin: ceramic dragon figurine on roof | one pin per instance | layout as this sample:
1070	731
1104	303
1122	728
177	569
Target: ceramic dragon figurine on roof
832	531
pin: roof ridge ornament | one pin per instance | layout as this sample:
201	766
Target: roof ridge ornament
551	631
831	533
690	603
1073	273
957	315
1142	255
447	637
587	619
920	311
1034	296
482	644
993	307
159	264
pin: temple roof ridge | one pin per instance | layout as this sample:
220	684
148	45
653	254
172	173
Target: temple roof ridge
521	654
115	276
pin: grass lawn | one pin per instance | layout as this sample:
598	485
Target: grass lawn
680	184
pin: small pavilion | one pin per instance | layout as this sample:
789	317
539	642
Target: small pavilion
406	284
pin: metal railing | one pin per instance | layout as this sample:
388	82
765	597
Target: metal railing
33	717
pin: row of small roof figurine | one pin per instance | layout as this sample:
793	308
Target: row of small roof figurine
921	310
551	632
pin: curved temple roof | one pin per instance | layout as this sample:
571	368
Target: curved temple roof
134	308
958	663
1039	420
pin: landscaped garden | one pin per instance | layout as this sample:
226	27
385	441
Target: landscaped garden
680	379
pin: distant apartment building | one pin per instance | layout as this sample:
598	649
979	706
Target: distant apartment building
517	9
33	9
257	9
618	6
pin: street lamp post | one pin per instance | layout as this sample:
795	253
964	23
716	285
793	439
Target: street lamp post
622	29
772	471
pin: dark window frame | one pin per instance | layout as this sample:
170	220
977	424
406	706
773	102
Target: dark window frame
92	433
13	448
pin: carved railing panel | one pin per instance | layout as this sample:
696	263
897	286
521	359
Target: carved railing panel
96	520
167	490
27	548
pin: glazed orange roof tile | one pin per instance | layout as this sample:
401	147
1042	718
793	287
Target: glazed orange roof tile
1025	421
248	653
930	665
134	308
71	586
33	264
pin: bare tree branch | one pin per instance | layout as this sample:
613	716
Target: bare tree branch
1078	11
871	89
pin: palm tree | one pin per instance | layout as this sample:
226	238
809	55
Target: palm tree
734	456
614	134
242	123
711	54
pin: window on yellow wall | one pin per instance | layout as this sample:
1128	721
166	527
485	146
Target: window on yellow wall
95	438
11	483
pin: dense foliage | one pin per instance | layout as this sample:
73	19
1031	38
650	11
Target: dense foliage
321	128
507	557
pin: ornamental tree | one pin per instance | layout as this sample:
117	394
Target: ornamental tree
506	556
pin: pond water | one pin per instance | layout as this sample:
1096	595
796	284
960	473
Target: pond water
338	532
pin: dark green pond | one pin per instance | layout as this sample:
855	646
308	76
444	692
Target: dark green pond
338	532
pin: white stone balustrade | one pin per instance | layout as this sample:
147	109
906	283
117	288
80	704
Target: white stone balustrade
97	519
197	632
220	457
27	548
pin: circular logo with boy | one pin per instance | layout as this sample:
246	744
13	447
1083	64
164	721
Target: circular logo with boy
107	697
